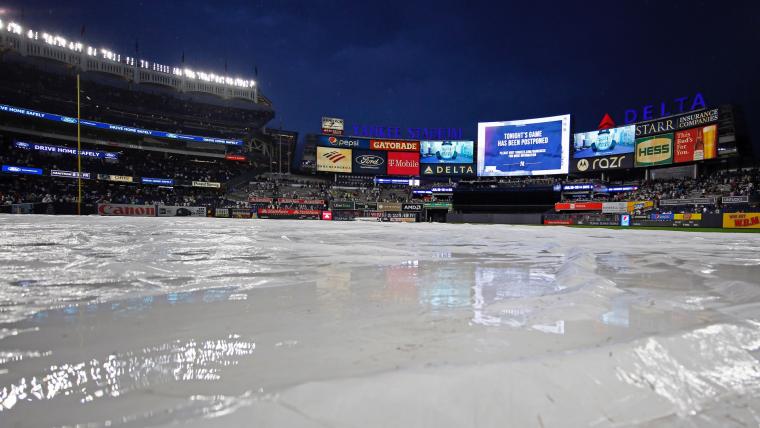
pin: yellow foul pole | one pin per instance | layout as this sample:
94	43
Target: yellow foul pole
79	155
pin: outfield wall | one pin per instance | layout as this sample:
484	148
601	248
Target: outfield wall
502	218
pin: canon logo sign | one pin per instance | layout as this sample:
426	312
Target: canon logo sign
127	210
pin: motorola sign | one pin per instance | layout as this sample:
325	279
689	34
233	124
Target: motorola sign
602	163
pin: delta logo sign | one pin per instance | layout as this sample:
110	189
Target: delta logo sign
665	108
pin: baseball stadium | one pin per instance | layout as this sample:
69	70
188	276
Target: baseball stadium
174	253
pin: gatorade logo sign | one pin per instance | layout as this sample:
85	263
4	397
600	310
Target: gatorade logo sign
395	145
655	150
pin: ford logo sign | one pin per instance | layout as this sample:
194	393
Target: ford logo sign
369	160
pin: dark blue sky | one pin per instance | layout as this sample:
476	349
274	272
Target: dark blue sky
440	64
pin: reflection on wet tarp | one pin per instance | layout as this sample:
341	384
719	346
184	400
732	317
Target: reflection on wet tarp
118	374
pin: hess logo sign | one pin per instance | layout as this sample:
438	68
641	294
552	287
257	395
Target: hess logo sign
656	150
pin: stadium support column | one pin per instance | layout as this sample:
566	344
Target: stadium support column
79	153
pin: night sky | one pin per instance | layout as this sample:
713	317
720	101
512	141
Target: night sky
438	64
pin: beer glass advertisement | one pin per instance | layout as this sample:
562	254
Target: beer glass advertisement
696	144
604	142
446	152
538	146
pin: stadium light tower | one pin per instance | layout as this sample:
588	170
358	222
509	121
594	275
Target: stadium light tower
79	152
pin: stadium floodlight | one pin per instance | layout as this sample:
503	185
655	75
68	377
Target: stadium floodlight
14	28
106	54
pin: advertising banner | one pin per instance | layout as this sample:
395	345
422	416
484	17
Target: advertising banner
524	147
338	142
448	169
333	160
158	181
366	205
615	207
172	211
597	220
604	142
696	144
69	174
279	213
676	123
625	220
127	210
438	205
12	169
342	205
327	215
332	126
634	206
447	152
116	178
578	206
558	221
655	150
235	157
240	212
404	163
411	207
734	200
688	216
689	201
65	150
741	221
578	187
260	201
208	184
289	201
396	146
222	212
602	163
4	108
369	162
410	217
389	206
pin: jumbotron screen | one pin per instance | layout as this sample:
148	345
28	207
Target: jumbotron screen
538	146
446	151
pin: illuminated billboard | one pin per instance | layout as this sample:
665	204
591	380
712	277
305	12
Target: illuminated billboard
604	142
524	147
333	160
654	150
459	152
403	163
696	144
369	162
